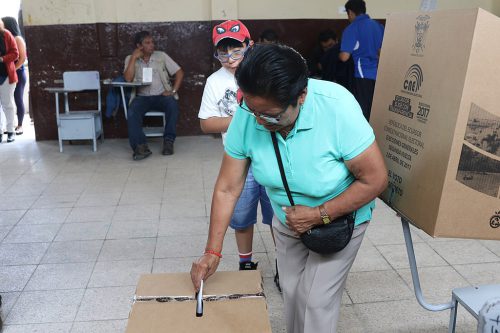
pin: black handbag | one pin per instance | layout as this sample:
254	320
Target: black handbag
325	239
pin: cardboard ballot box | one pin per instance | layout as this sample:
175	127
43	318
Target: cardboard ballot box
233	302
436	115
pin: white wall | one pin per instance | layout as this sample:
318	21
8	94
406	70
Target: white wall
48	12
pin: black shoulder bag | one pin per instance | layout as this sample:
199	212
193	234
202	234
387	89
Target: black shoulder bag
325	239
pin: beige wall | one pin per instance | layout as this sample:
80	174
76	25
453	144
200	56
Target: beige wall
48	12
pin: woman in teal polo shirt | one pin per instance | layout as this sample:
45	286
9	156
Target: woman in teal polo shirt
333	167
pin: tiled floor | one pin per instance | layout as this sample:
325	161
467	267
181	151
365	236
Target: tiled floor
78	228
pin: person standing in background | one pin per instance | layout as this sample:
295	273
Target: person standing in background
8	79
10	24
362	40
268	36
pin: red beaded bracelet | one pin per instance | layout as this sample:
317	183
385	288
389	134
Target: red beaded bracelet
215	253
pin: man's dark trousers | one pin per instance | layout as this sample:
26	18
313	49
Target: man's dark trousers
142	104
363	91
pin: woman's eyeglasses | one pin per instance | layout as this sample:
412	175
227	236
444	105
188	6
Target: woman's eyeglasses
236	55
268	119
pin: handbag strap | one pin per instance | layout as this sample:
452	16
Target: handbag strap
282	170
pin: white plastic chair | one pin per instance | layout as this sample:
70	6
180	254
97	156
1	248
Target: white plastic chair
79	124
149	131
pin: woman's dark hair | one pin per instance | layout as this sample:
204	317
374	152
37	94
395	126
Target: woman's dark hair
273	71
358	7
140	36
10	24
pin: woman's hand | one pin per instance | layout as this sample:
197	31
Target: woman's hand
302	218
203	268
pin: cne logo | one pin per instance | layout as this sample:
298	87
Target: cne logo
495	220
413	79
421	28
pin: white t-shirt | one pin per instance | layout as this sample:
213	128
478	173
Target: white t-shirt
219	96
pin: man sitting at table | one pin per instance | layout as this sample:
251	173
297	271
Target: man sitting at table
146	64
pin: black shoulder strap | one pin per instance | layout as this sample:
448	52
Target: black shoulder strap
282	170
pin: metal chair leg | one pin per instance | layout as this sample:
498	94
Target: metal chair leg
453	316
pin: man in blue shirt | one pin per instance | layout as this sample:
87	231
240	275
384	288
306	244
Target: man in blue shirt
362	40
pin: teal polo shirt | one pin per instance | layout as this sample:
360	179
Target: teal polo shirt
329	130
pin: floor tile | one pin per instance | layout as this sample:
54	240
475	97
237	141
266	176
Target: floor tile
128	249
52	306
436	281
464	252
16	203
45	216
11	217
478	274
369	259
133	229
390	287
82	231
403	316
22	254
73	252
184	207
8	301
92	200
141	198
56	201
39	328
388	234
60	276
14	278
137	212
184	226
119	273
180	246
105	326
397	256
90	214
106	303
32	233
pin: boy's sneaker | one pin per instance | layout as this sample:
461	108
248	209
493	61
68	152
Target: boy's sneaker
248	266
141	152
11	136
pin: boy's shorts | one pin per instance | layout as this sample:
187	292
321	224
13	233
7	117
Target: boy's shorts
245	212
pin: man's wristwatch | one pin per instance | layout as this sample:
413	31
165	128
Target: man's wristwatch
324	214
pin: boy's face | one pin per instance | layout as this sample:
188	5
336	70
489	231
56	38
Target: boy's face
232	52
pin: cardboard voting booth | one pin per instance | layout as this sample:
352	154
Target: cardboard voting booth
232	302
436	115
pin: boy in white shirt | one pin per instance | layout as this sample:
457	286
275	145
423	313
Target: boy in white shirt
219	102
